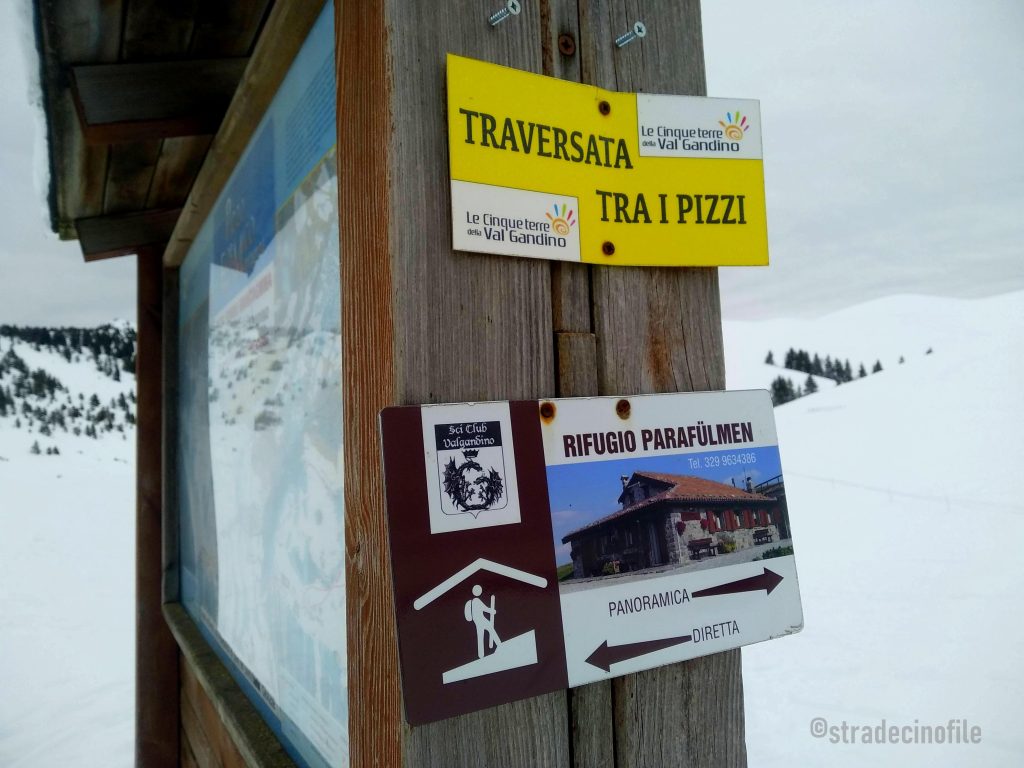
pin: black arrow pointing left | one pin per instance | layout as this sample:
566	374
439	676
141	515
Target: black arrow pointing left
605	655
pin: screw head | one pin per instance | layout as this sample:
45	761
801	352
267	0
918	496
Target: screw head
514	7
604	108
622	408
608	248
567	45
639	29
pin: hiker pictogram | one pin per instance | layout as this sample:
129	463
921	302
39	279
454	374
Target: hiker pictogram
478	612
493	653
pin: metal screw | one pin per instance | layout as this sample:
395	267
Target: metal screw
638	30
608	248
512	8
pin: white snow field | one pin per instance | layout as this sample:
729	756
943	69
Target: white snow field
67	547
904	492
907	522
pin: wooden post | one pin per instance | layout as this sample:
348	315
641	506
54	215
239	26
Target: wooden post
423	323
660	330
156	654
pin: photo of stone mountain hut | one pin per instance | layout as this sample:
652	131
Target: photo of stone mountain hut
667	519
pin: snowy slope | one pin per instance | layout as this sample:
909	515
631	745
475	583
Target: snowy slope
67	546
902	490
883	329
907	518
754	375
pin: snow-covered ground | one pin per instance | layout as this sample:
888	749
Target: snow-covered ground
67	544
907	522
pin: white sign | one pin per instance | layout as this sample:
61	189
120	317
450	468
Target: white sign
560	542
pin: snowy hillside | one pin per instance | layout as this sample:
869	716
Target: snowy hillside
61	389
906	515
882	330
902	495
67	540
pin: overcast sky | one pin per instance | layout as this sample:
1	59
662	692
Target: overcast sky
42	280
891	163
890	158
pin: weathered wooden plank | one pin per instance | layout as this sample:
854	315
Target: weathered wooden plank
488	339
103	237
155	29
688	714
88	31
570	283
424	324
188	757
129	175
214	745
660	330
196	744
590	706
577	364
156	657
170	532
244	730
227	27
152	100
590	710
283	34
593	732
176	169
364	112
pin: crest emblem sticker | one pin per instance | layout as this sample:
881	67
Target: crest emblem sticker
470	467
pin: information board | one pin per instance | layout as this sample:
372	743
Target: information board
543	545
544	168
261	423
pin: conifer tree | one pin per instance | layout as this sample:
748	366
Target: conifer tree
782	391
878	366
770	360
810	386
861	373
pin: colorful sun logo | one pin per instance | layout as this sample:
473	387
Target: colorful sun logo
561	223
736	126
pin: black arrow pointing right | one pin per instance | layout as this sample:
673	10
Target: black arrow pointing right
767	580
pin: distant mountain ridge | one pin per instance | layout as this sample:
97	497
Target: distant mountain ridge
62	384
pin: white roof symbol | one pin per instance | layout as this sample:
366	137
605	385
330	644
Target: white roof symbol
480	564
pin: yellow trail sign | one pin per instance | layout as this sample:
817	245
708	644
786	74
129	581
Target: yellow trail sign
548	169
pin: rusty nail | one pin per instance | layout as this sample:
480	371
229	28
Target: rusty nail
547	411
604	108
608	248
567	45
622	409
